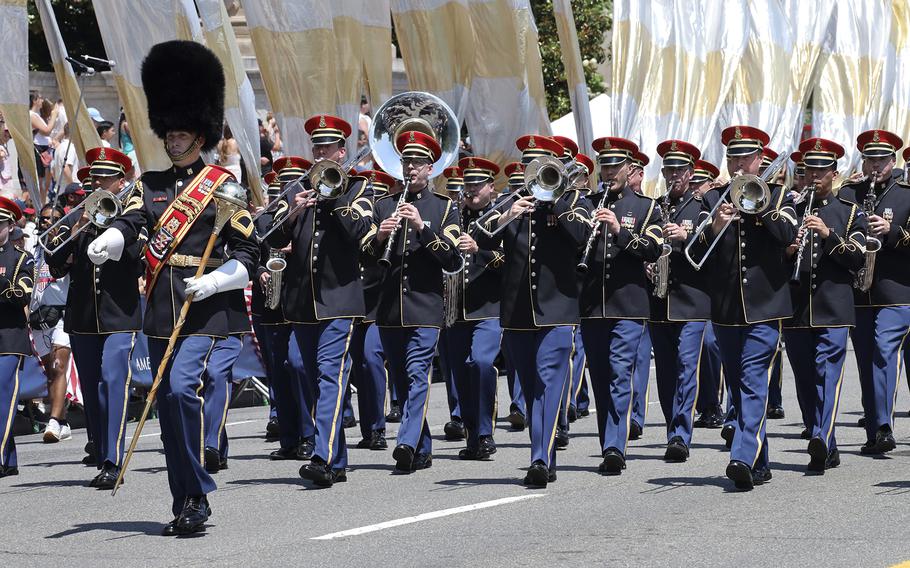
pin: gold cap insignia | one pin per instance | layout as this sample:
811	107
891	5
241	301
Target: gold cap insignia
818	145
470	162
322	121
875	136
673	146
412	138
532	143
101	155
737	133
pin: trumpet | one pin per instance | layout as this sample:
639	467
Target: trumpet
749	193
862	280
545	179
794	278
101	208
582	266
275	265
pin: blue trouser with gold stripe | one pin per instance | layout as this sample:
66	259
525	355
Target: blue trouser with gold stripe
181	415
9	398
103	363
580	398
409	352
775	387
710	377
541	359
369	376
217	391
514	384
817	357
748	353
576	375
325	347
677	359
448	376
472	347
613	348
293	399
878	340
640	380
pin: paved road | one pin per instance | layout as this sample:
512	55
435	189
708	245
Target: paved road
655	514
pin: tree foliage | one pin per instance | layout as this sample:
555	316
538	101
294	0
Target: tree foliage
78	27
593	18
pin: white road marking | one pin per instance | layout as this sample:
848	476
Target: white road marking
426	517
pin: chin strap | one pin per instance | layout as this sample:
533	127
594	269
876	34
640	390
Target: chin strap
197	142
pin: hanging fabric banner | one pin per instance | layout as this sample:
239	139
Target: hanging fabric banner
239	103
575	74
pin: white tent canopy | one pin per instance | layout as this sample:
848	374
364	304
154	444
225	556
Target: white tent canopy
600	116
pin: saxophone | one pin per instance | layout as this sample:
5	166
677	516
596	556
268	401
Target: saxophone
660	275
275	265
862	281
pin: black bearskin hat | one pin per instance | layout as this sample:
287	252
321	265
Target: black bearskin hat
184	84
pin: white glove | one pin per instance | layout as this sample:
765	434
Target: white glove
229	276
108	246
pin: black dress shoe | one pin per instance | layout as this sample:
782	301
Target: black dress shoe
833	459
487	445
582	412
861	422
422	461
318	472
394	415
454	430
761	476
562	438
538	475
377	440
170	529
471	454
94	481
364	444
6	471
212	461
272	430
677	450
340	475
403	456
307	448
869	448
195	513
613	462
348	422
818	455
634	431
287	454
89	448
107	479
516	420
805	434
727	433
741	474
572	413
884	440
89	460
700	422
715	420
776	413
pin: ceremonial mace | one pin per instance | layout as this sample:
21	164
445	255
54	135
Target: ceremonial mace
230	197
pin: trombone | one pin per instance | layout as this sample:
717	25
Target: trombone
545	179
749	193
101	207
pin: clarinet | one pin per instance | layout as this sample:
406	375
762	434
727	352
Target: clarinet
794	278
386	260
582	266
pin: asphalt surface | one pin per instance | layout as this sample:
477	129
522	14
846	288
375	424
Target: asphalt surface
654	514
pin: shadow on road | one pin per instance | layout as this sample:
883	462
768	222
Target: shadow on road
131	527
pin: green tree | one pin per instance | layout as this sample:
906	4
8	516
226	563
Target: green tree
78	27
593	18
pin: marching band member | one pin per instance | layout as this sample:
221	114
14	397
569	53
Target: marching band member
515	172
409	314
882	312
325	295
580	398
710	378
281	354
16	269
749	298
816	335
454	429
368	372
641	385
614	296
775	397
184	84
102	318
473	341
539	306
677	324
